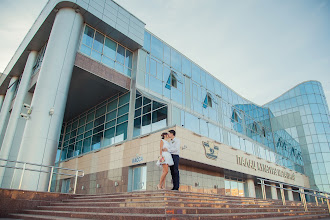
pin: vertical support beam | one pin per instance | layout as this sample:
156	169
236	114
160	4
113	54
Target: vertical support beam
328	203
303	199
263	189
282	194
42	131
273	191
251	188
290	193
7	103
2	97
316	199
17	107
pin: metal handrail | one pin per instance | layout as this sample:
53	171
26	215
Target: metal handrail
76	175
301	191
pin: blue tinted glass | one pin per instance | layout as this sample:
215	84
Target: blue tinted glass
109	62
119	67
86	50
186	66
121	55
167	54
98	42
176	95
203	79
156	48
128	60
196	75
210	82
96	55
191	123
155	85
175	59
110	48
146	44
153	67
88	36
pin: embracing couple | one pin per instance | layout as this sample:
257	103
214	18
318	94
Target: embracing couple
169	157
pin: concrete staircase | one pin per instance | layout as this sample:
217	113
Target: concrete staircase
172	205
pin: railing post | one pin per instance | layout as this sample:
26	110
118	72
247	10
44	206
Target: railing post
263	189
282	194
316	199
50	178
322	198
326	196
21	180
303	198
75	182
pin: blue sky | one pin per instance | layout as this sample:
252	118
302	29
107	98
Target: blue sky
259	48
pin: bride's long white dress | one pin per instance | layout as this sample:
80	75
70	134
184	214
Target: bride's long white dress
166	155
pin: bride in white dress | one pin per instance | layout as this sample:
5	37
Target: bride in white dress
168	161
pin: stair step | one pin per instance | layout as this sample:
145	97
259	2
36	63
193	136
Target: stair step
46	217
135	216
175	210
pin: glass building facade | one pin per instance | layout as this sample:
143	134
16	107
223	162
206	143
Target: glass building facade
304	115
291	131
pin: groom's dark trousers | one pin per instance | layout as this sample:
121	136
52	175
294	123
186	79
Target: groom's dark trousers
175	172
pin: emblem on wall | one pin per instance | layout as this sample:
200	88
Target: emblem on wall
211	151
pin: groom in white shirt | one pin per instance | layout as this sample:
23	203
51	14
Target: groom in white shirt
174	149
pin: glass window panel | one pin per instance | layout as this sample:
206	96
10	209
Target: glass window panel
112	105
96	141
137	127
98	129
78	148
99	121
109	62
175	59
110	124
96	55
89	126
80	137
87	145
159	118
156	48
176	95
196	73
120	54
119	67
167	54
146	124
122	119
109	137
88	36
128	72
110	48
123	110
73	133
186	66
82	121
146	43
214	132
155	85
85	50
159	71
100	111
191	122
146	101
234	188
138	112
111	115
153	67
98	42
138	102
204	128
146	109
156	105
121	132
90	117
124	99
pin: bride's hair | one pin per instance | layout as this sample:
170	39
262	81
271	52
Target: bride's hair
163	135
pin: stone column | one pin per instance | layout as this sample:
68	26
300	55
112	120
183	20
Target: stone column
42	130
7	103
17	107
2	97
273	191
290	193
251	188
